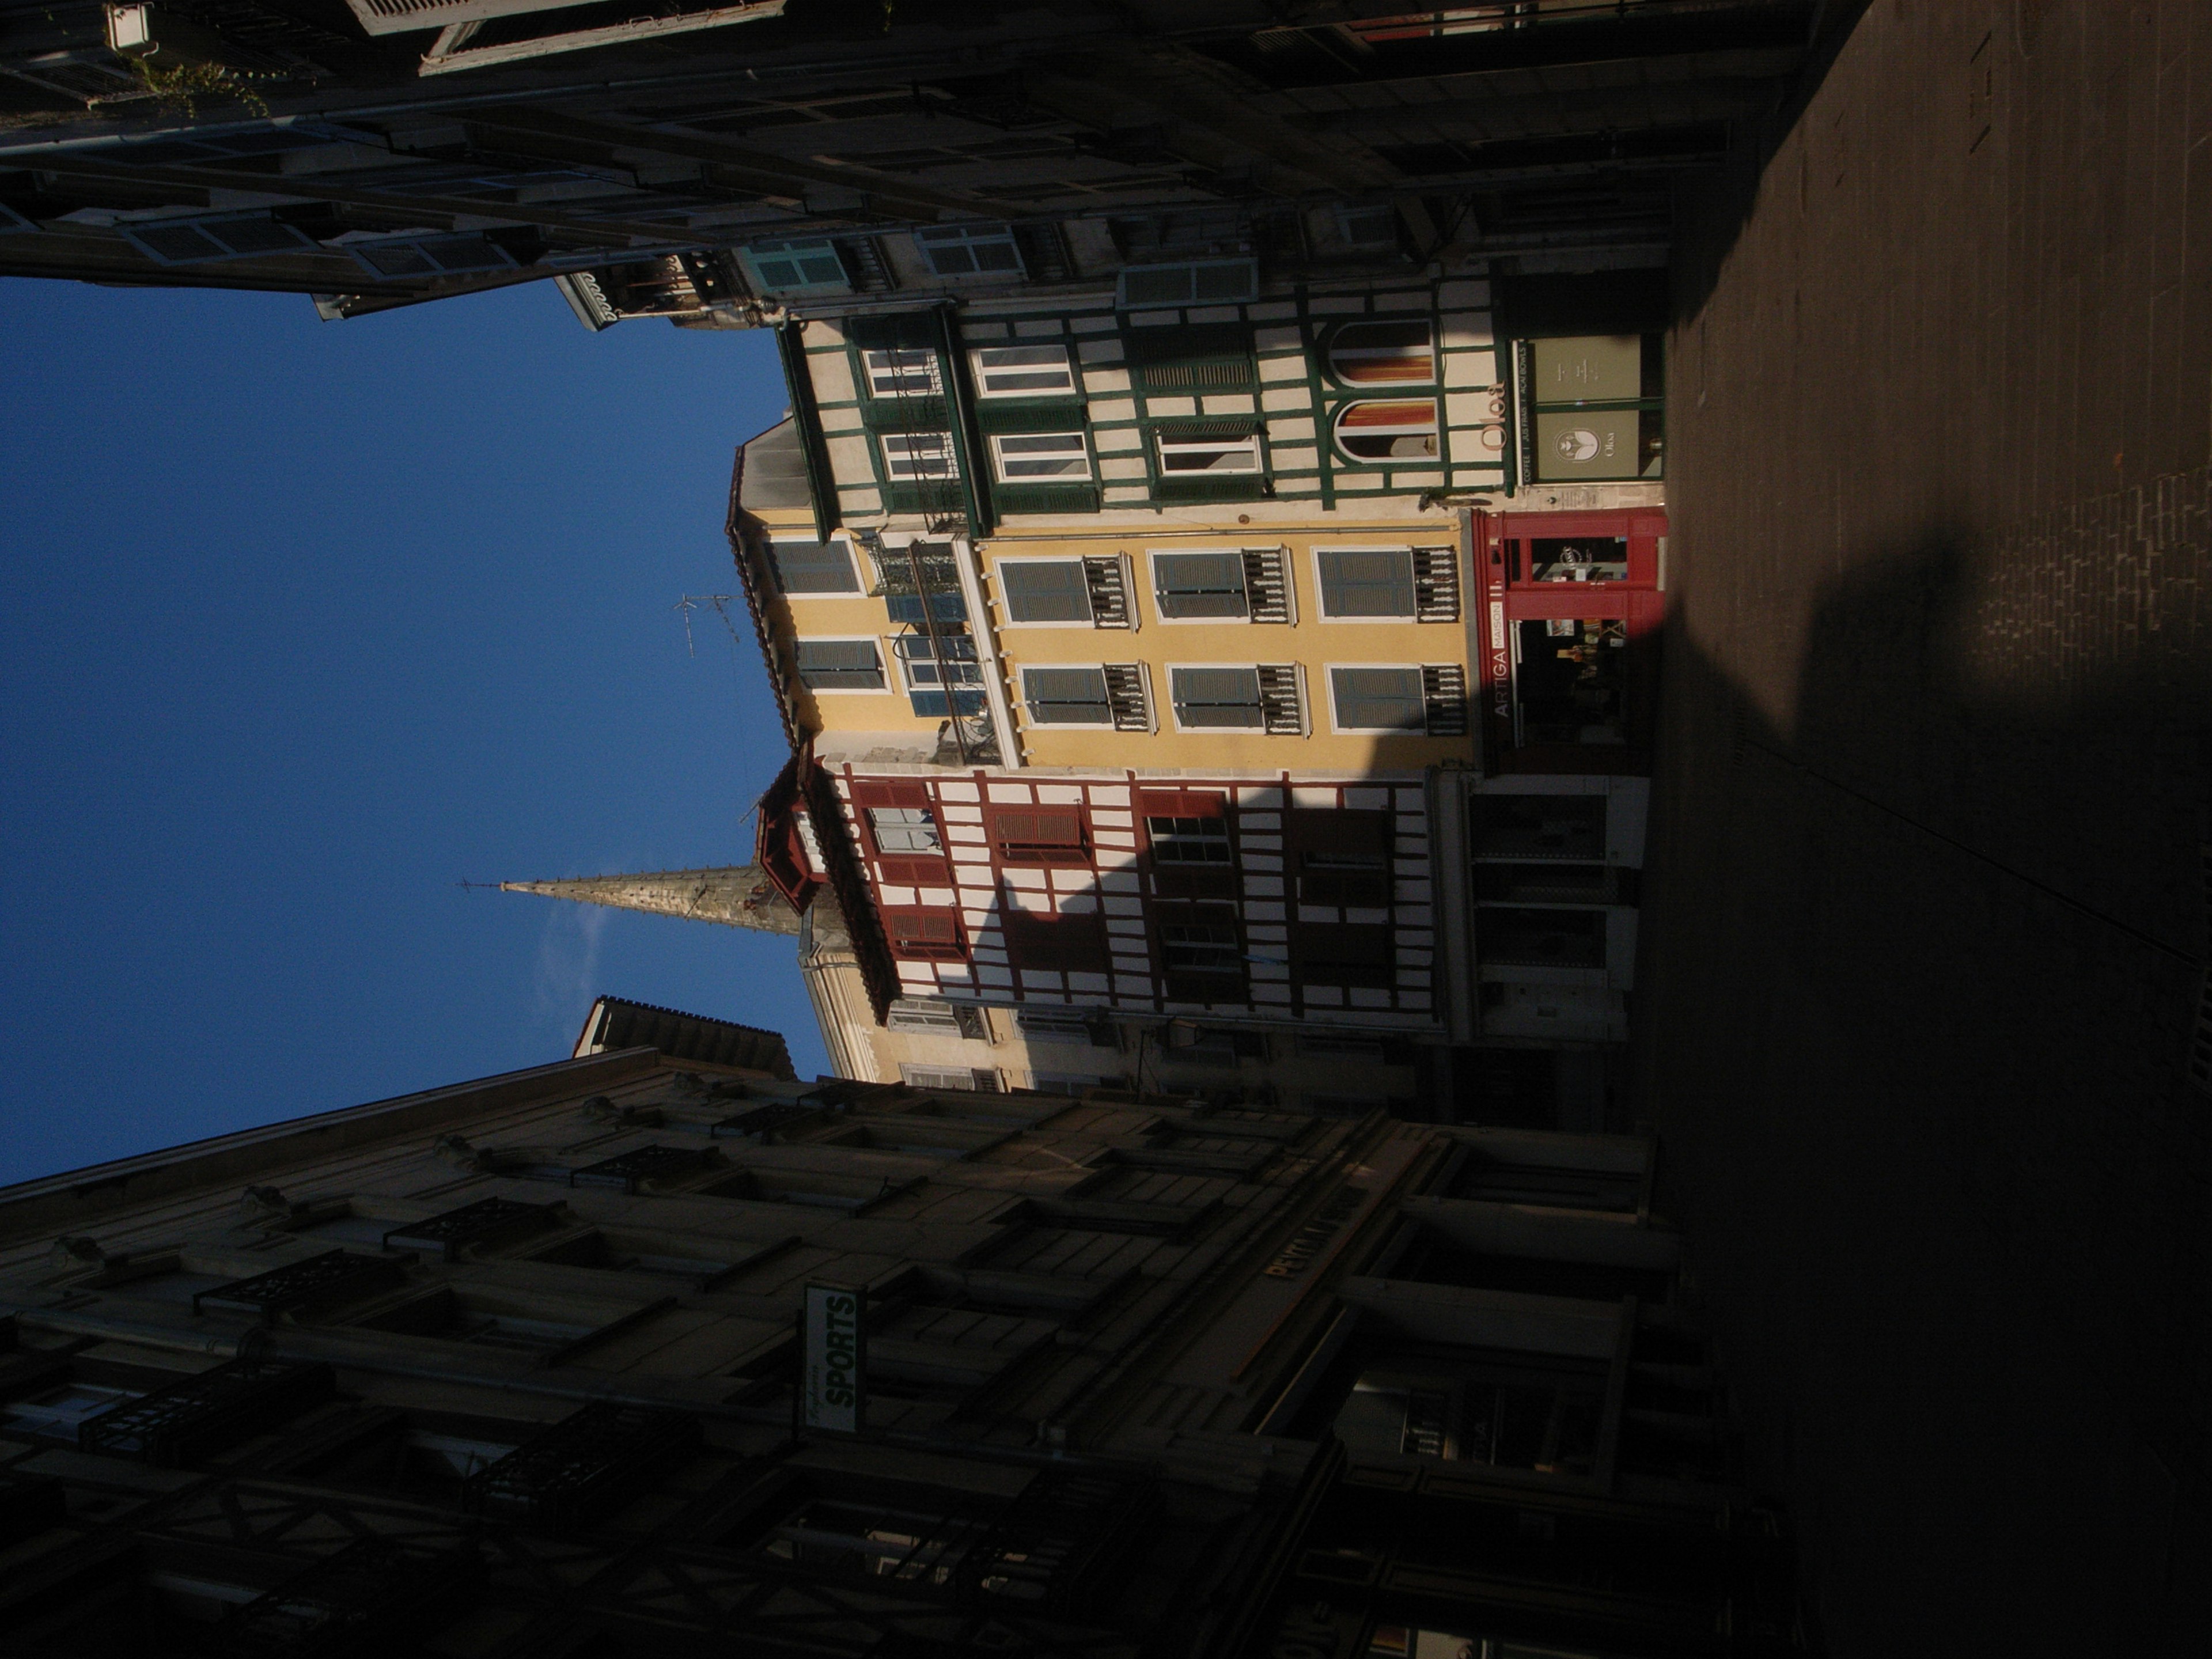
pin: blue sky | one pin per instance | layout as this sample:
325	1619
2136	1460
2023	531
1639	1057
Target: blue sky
306	622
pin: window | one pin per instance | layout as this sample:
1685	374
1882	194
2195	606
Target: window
804	266
904	828
1197	357
902	372
932	668
1378	699
866	1539
950	1076
1066	696
839	666
1022	371
1201	953
188	241
1200	841
1035	457
1367	225
1045	590
957	1019
1217	697
1571	680
813	567
1341	953
1189	455
932	935
1382	354
429	256
1340	858
1373	431
969	251
1056	943
1364	581
60	1411
1530	938
1199	585
910	455
1200	282
1049	835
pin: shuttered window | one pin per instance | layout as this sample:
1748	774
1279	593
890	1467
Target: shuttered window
1045	590
1048	834
1062	944
839	666
1378	699
1366	581
813	567
1200	584
932	935
1217	697
1066	696
1341	953
1197	358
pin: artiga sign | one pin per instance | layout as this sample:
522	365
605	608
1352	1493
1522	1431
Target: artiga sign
833	1360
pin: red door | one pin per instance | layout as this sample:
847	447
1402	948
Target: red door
1571	608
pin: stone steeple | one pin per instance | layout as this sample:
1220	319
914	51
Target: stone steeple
736	895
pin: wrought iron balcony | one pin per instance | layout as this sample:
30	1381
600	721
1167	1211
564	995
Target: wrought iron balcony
333	1276
371	1596
762	1121
630	1169
189	1419
485	1221
584	1466
1060	1545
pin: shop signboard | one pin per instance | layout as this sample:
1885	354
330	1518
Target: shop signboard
833	1345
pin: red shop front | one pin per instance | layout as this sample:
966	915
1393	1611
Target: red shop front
1569	664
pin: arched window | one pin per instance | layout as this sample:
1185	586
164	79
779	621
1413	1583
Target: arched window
1382	354
1374	431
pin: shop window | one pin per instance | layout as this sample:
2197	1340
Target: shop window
1044	590
1571	680
1578	559
1378	700
1040	456
1521	935
1049	835
1022	371
969	251
938	669
1066	696
808	265
1377	431
1199	585
1207	698
904	828
1383	354
1341	953
929	934
839	666
909	456
813	567
902	372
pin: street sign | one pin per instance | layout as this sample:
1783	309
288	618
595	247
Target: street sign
833	1346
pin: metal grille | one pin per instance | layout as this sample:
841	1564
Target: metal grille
1057	1547
584	1465
1109	594
641	1164
761	1120
374	1595
1436	583
184	1421
1267	585
1443	699
330	1277
1126	697
1282	706
487	1219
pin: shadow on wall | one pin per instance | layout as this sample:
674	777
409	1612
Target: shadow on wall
1919	974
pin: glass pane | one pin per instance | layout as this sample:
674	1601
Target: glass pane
1578	559
1180	456
1051	591
1571	680
919	455
1042	455
905	372
1031	370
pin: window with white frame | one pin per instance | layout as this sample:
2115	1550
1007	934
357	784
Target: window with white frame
1203	841
909	456
902	372
948	659
1372	430
1186	585
969	251
1364	581
1378	699
1217	697
797	265
904	830
839	666
976	1080
807	566
1044	590
1383	354
1040	456
1191	455
1022	371
1066	696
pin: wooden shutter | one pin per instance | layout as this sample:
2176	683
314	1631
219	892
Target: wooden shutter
932	935
1048	834
879	792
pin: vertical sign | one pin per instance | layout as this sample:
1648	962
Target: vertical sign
832	1360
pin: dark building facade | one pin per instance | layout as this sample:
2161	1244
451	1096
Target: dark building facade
710	162
509	1368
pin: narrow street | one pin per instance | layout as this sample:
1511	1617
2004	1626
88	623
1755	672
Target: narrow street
1927	927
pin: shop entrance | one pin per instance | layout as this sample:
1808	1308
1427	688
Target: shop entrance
1572	606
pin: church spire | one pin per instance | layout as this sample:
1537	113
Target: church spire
736	895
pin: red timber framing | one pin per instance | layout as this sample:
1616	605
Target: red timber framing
1268	897
1568	638
802	802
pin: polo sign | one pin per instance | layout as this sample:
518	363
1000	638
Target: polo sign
833	1360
